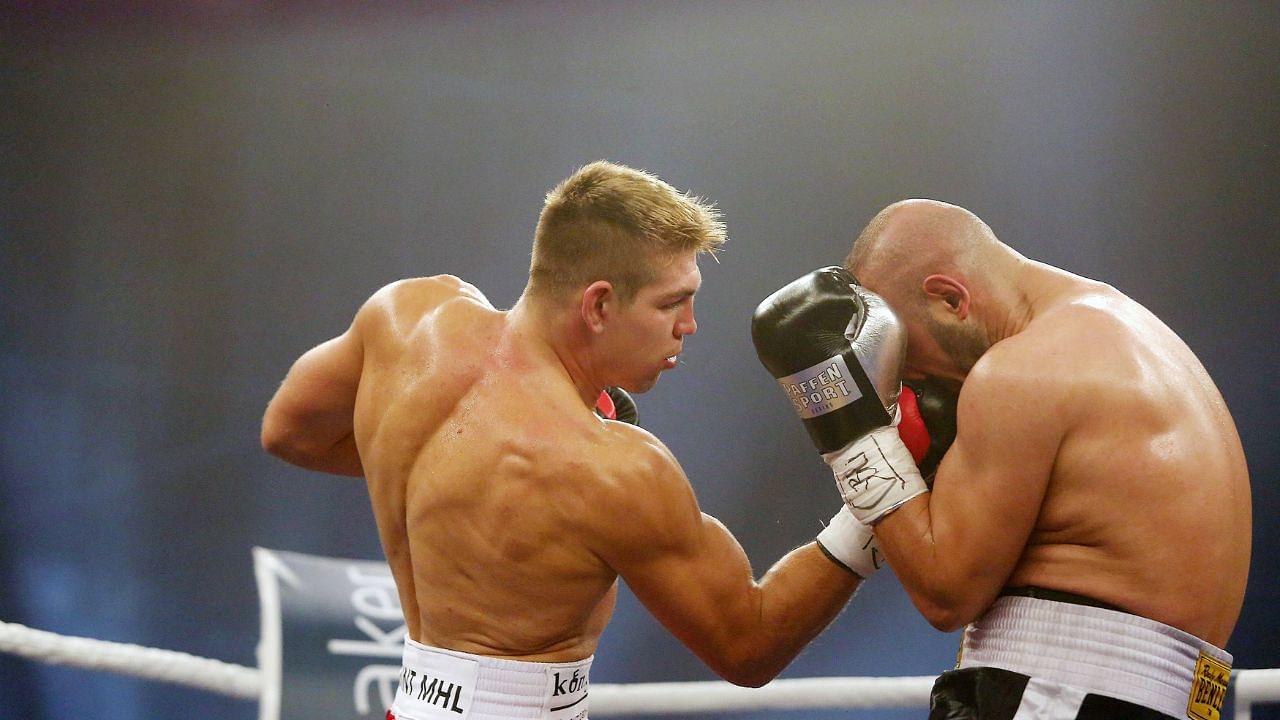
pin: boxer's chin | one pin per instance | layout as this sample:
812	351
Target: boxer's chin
650	381
642	386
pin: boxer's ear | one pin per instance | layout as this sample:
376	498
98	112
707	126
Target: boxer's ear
950	291
598	302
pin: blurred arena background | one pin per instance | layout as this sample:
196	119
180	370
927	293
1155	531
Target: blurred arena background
191	194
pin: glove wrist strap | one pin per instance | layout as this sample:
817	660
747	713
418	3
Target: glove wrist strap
875	474
850	544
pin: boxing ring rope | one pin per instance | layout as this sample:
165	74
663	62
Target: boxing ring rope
125	659
607	700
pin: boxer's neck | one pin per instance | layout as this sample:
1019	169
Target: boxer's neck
1033	288
550	338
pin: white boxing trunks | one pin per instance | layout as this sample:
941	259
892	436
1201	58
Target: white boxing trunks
437	683
1044	659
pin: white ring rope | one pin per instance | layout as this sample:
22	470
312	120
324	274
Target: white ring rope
1251	686
1255	686
122	658
681	698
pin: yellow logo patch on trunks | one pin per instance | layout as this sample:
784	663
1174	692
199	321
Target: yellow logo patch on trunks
1208	688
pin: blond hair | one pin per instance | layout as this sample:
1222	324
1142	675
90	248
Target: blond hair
618	224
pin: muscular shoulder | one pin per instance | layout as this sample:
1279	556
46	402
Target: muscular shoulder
1025	374
642	491
1098	337
633	459
1022	365
404	302
1063	359
424	293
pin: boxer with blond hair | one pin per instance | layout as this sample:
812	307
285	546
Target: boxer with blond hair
507	508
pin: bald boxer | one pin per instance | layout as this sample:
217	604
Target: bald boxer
506	507
1090	525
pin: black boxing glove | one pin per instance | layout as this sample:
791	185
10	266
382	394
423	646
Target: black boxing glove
837	351
615	403
936	407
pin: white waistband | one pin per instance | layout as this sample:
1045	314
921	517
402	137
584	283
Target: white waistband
1100	651
437	683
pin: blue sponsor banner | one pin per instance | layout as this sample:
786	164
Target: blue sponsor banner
332	636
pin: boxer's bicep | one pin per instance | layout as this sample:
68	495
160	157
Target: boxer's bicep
313	409
703	592
955	548
683	565
987	500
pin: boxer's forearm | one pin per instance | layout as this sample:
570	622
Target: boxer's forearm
794	601
801	594
946	582
744	629
340	458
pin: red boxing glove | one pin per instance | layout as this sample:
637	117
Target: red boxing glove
615	403
605	407
928	424
911	427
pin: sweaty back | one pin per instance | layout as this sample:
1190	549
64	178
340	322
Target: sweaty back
477	468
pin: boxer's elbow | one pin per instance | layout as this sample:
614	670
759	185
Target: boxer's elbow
944	619
283	441
752	679
946	609
752	659
748	669
281	447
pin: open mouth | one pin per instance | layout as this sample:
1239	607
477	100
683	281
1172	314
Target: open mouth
671	361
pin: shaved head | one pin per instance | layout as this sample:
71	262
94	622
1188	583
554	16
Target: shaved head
912	238
908	246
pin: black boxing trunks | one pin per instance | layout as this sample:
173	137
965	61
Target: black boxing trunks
437	683
1029	657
